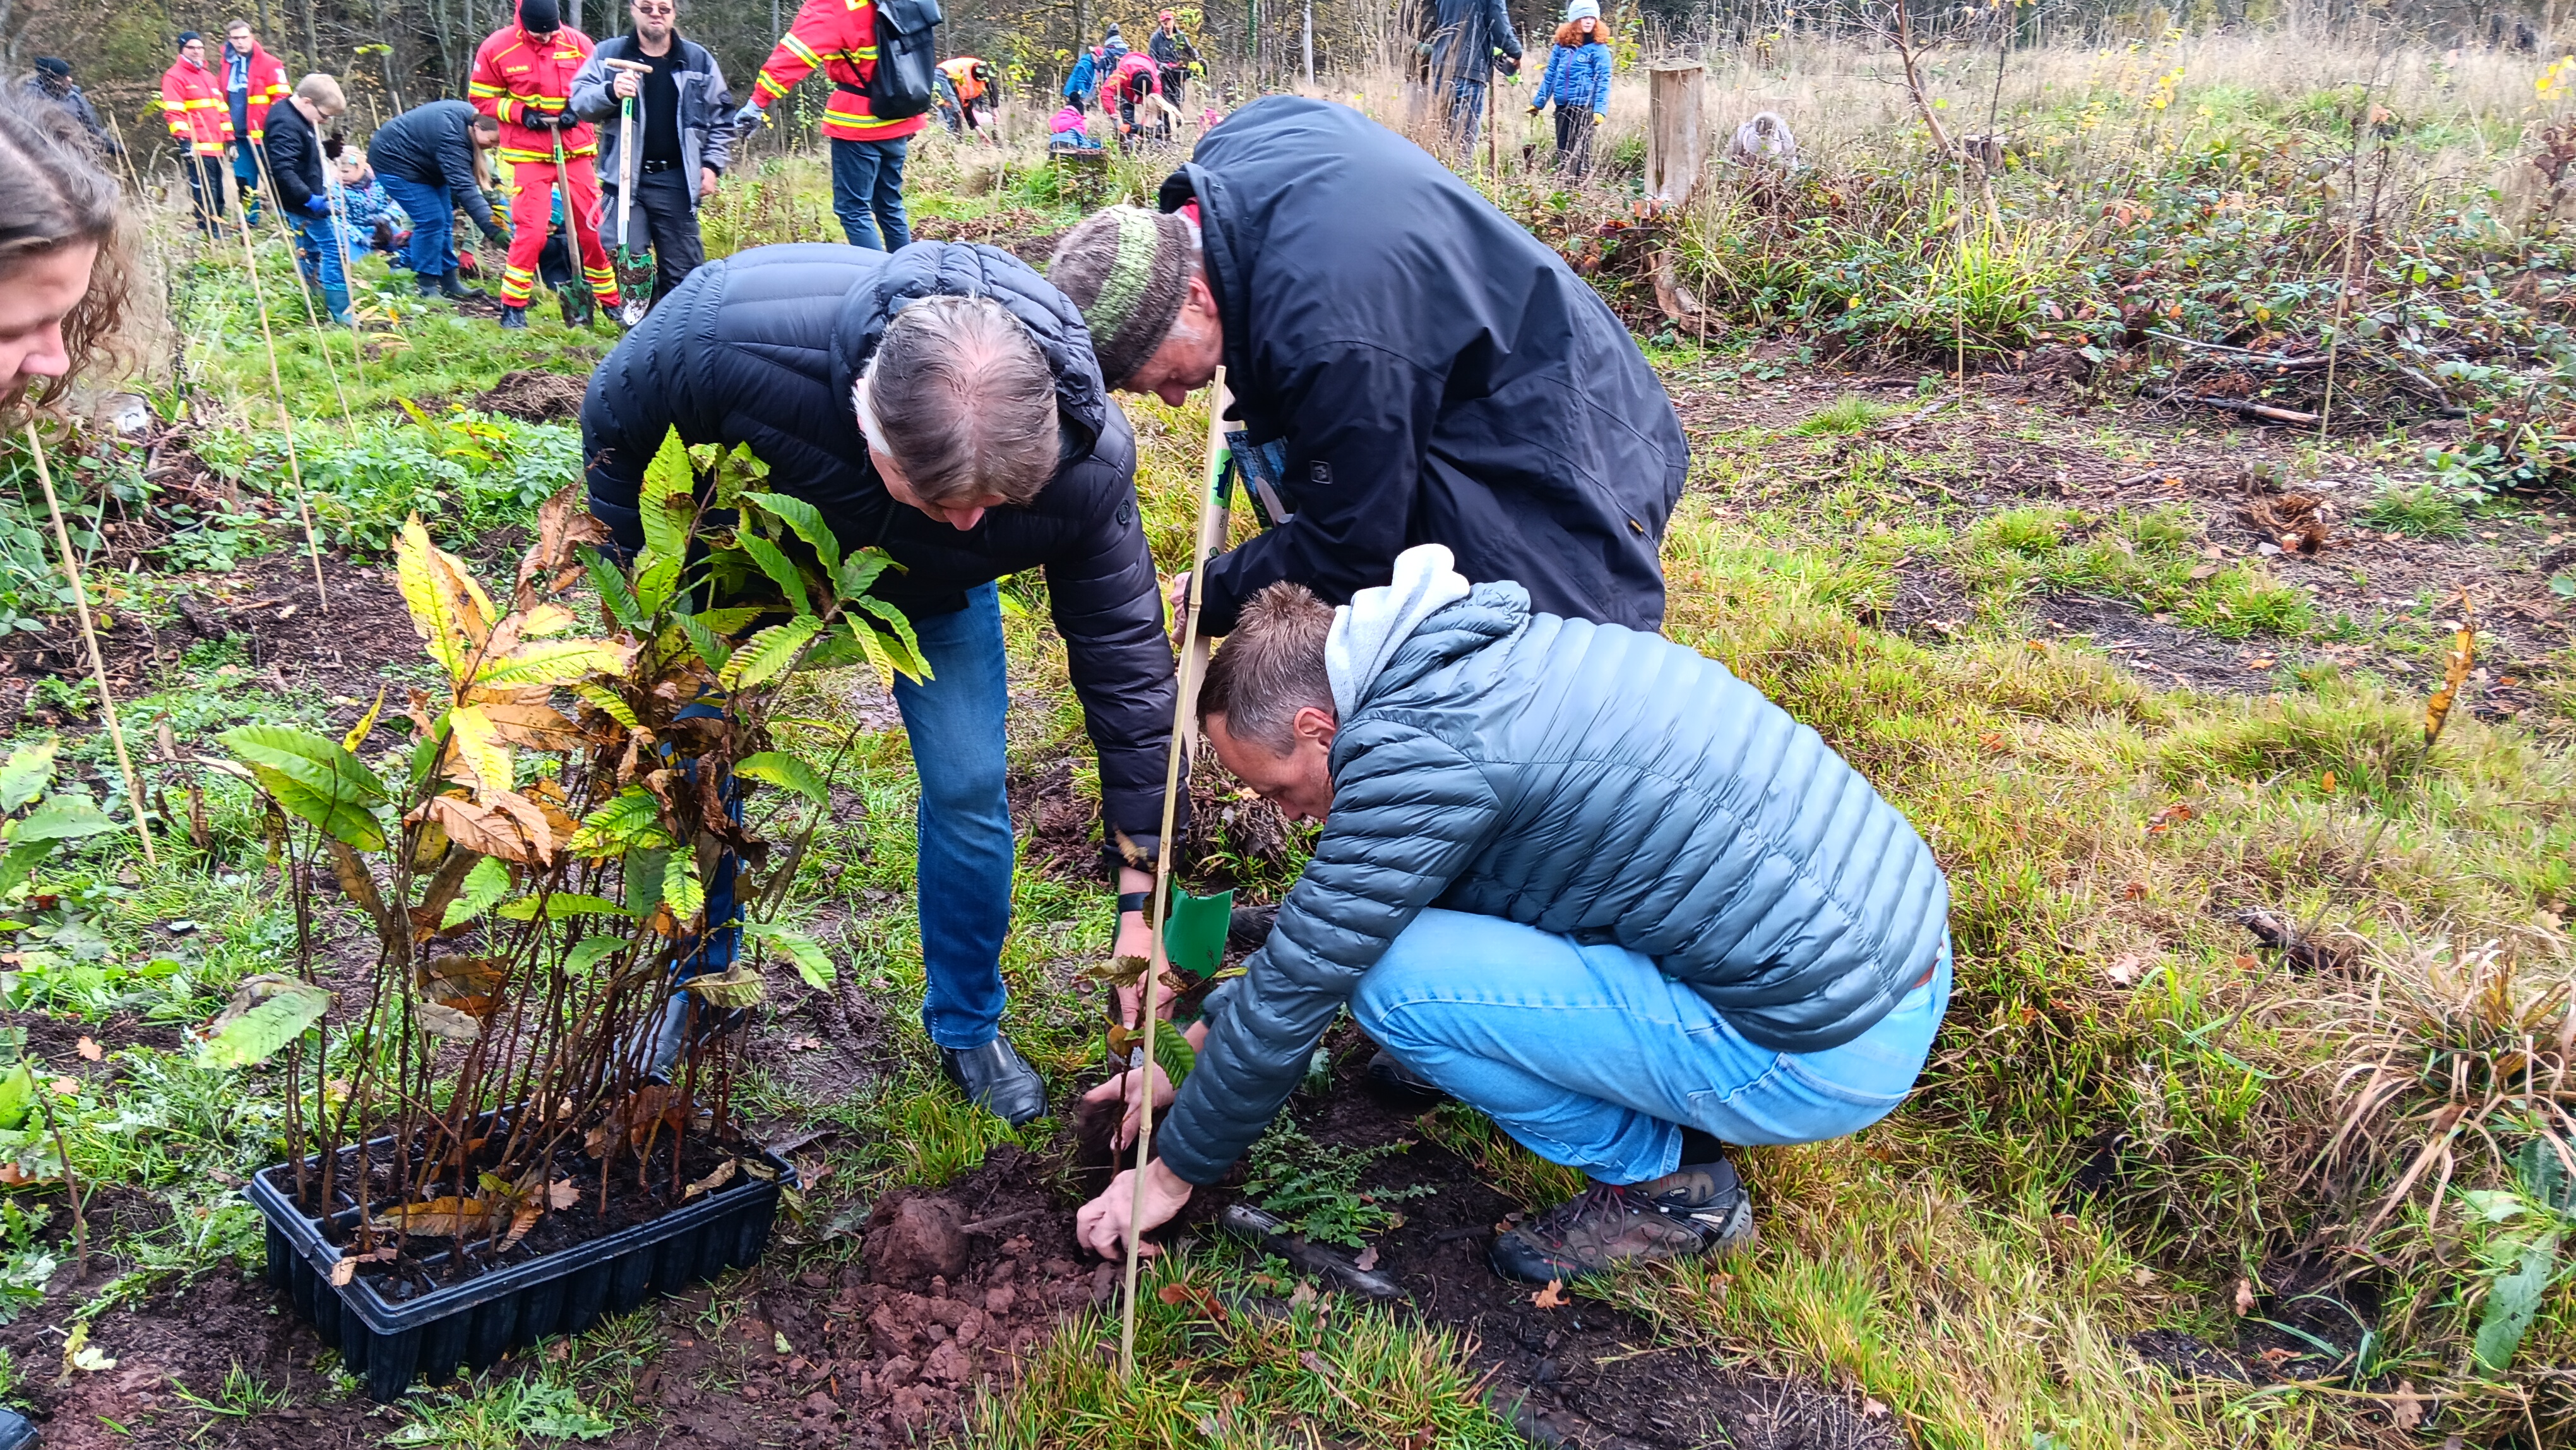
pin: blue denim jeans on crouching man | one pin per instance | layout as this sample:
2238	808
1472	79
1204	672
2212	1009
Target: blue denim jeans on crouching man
967	852
1591	1057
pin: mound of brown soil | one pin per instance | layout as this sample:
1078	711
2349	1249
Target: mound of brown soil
532	395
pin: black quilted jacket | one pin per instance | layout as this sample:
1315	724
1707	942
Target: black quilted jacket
763	348
1437	375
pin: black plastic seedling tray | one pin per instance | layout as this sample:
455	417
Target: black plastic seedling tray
474	1323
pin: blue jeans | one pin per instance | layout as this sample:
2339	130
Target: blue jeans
317	248
432	251
867	195
245	168
1591	1057
967	850
1466	112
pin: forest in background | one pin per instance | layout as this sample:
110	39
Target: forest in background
393	54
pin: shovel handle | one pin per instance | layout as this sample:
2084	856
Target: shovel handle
636	66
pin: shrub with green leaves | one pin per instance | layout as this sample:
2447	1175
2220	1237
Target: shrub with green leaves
1316	1190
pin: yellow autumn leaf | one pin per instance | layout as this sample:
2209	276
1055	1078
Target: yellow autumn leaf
479	746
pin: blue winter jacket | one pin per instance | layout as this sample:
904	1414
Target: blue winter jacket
1084	80
1578	77
1589	780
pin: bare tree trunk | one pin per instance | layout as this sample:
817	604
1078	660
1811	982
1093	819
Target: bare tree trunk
1306	40
312	34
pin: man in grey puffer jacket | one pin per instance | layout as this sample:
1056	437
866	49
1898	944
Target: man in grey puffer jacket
1578	876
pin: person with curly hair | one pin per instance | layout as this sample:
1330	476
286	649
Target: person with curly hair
63	263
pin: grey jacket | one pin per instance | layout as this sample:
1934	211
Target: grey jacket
1589	780
706	111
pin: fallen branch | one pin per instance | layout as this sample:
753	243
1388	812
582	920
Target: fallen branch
1273	1236
2264	411
2269	359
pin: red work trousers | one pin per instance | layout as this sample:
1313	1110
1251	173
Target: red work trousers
532	216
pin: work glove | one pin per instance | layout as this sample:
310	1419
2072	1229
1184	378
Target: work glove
751	117
1534	110
494	236
317	205
1598	118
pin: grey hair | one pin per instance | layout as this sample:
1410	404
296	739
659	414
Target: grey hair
960	396
1271	667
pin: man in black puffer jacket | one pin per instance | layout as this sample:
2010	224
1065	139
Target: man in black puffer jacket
1410	366
782	348
1579	876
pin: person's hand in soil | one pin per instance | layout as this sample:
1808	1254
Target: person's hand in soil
1101	1226
1124	1088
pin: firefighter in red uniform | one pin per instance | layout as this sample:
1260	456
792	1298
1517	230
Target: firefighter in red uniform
192	101
523	78
840	36
254	80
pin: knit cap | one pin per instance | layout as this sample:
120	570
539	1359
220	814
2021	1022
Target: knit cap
1581	8
1128	270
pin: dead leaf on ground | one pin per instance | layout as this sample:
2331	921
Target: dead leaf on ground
2244	1297
2125	969
562	1193
1367	1259
90	1050
2405	1409
1553	1296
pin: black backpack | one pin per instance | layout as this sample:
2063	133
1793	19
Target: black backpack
907	59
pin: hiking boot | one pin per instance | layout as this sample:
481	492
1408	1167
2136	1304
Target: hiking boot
452	286
1696	1210
1247	927
1398	1086
995	1078
514	319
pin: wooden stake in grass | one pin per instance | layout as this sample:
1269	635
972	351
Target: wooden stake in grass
97	660
285	419
1211	533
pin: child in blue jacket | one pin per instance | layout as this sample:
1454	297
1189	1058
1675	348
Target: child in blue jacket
1578	80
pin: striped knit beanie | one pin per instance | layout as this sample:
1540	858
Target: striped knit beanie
1128	270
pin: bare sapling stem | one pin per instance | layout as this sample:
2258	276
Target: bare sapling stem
285	419
1211	533
71	1182
97	658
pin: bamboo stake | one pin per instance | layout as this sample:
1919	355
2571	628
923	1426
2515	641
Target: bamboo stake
1211	533
285	419
97	659
304	290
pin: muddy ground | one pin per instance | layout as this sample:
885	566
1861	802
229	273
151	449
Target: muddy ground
829	1346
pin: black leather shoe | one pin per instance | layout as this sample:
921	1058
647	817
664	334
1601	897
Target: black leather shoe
1397	1085
995	1078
